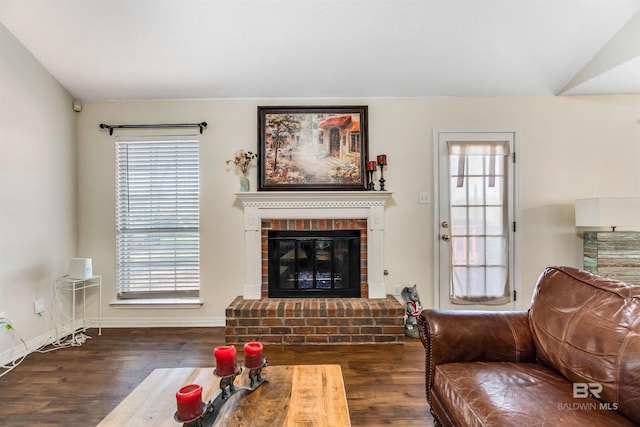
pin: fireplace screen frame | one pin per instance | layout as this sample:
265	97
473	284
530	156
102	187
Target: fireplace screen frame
309	262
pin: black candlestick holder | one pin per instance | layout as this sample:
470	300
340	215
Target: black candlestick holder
211	409
371	186
381	178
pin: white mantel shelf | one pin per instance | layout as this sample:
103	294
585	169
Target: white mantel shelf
261	205
314	198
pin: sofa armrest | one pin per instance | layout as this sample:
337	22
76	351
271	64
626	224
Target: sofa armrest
470	336
473	336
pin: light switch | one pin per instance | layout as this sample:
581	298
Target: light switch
423	197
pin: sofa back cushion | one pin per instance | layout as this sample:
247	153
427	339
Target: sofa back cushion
588	329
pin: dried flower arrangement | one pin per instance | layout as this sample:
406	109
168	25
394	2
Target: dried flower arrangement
243	160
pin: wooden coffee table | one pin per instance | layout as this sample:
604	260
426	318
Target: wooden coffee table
303	395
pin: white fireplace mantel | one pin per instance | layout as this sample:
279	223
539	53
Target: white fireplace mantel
367	205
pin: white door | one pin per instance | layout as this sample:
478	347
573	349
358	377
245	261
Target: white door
475	214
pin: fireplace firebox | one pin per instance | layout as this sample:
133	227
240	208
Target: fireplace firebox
314	263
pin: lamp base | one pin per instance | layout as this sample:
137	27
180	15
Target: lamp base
613	254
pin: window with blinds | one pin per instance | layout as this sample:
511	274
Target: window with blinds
157	217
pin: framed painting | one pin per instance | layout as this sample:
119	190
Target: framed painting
312	148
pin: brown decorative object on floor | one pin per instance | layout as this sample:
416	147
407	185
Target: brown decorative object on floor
414	307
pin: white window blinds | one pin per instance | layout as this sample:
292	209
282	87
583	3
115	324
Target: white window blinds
157	217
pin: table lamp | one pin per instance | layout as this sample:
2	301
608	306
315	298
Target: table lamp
608	212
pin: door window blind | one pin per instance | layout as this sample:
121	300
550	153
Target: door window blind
157	217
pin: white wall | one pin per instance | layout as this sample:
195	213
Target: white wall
37	191
569	148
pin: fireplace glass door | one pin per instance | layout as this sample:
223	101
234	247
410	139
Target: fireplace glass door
314	263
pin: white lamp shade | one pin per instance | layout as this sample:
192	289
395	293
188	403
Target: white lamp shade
608	212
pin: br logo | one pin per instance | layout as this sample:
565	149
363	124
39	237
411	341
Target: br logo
583	390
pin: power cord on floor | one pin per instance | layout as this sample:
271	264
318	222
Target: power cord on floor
61	339
74	340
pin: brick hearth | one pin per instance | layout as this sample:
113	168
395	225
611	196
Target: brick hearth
315	321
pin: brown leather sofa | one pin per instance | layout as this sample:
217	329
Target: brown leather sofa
572	359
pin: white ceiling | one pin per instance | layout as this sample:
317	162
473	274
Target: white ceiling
183	49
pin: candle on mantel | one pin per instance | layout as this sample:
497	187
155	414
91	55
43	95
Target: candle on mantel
382	159
189	399
371	165
253	354
226	363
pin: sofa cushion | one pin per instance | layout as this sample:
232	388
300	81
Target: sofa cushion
515	394
588	328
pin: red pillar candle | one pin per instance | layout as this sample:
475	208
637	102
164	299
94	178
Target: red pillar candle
382	159
371	166
225	360
189	400
253	354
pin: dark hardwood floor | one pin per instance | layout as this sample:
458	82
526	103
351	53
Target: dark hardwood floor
79	386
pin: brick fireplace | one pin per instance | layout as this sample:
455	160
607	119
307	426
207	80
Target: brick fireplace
373	318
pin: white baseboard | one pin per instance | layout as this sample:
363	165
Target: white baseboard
161	322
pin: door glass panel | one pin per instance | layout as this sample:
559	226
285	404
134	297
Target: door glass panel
494	195
494	220
476	194
495	250
458	195
476	251
496	276
479	233
475	227
475	166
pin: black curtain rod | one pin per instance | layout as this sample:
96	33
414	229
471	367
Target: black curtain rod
201	125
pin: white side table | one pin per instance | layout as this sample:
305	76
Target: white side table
67	284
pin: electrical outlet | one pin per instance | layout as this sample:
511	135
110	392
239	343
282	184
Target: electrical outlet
3	314
396	289
38	306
